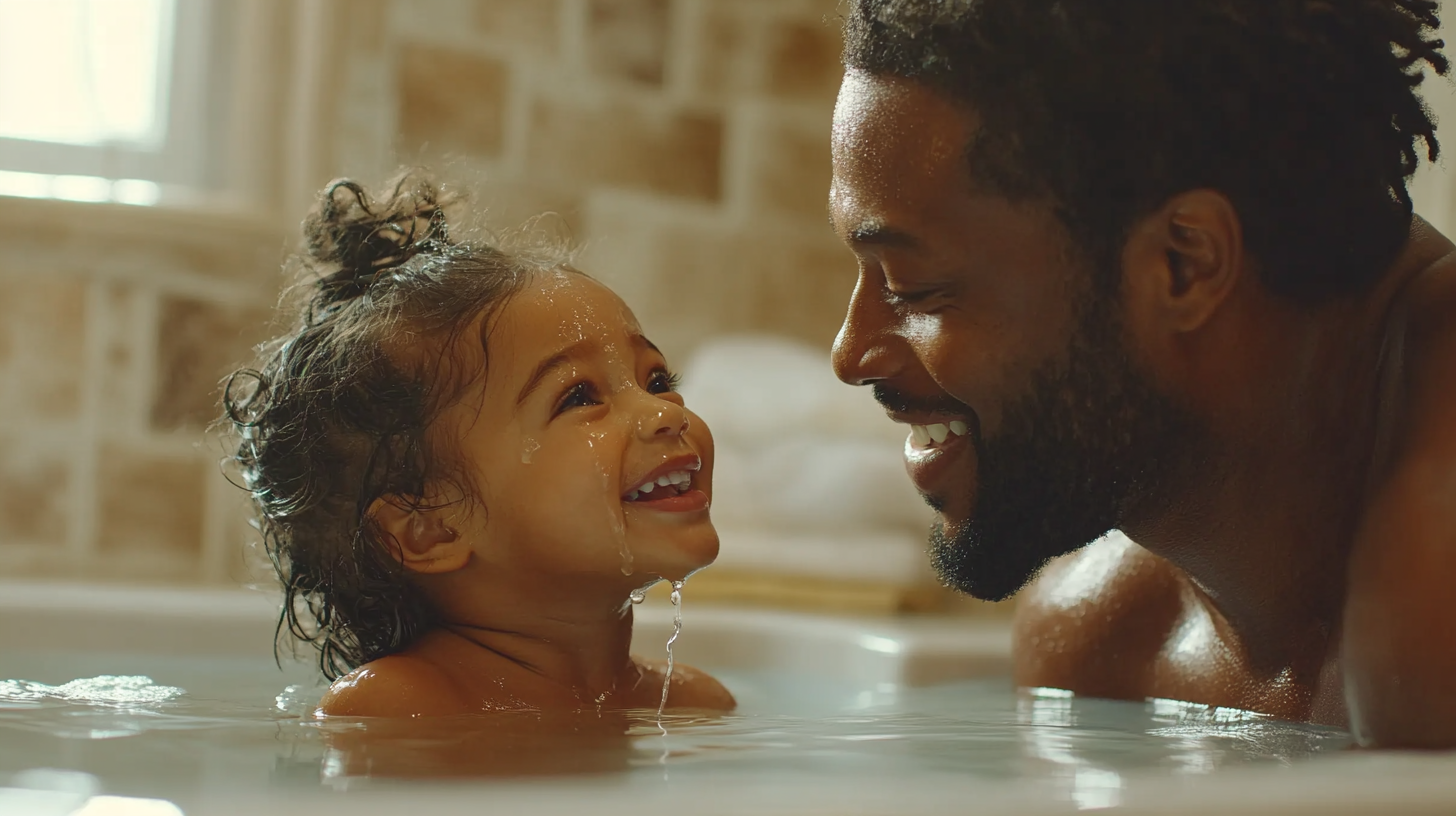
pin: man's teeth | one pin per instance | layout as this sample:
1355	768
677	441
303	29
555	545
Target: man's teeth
678	480
925	435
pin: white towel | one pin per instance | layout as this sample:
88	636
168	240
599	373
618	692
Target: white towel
810	475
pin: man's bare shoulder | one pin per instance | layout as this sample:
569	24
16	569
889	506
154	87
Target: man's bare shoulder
395	686
1399	599
1095	621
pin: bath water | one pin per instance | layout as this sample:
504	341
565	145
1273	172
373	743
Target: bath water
201	726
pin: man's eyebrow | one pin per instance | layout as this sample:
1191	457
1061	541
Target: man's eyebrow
547	366
874	233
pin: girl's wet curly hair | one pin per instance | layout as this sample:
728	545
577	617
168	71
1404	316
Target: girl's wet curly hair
1303	112
336	413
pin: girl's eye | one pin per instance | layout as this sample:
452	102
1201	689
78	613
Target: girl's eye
580	395
663	382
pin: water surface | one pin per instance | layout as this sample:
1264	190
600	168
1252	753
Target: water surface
185	729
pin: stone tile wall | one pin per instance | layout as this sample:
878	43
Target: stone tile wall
116	325
683	144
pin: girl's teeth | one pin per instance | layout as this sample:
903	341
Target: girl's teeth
680	481
938	432
958	428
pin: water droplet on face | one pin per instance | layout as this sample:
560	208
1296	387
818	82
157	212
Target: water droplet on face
529	450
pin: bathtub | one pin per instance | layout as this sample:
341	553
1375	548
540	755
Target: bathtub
92	630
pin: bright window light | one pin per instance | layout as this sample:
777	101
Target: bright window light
79	188
85	72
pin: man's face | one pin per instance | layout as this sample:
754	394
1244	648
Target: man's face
1031	428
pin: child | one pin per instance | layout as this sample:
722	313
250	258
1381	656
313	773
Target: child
465	460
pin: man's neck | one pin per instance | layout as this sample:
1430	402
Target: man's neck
1263	524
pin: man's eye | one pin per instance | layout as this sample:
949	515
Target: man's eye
663	382
580	395
909	298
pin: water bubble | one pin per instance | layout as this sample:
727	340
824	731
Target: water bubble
529	450
637	596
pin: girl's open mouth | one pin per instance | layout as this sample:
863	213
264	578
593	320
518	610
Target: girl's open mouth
670	488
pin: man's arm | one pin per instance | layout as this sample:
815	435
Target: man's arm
1399	649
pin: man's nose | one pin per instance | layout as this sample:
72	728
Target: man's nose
861	355
659	418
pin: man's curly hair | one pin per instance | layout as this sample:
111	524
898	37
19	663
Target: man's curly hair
337	411
1303	112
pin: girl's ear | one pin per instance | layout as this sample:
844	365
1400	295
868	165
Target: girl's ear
419	536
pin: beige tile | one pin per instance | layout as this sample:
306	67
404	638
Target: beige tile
42	337
35	488
450	102
198	344
801	59
601	142
689	279
150	502
748	49
802	286
365	25
789	167
628	39
530	23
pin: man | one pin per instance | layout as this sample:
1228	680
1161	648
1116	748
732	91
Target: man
1151	267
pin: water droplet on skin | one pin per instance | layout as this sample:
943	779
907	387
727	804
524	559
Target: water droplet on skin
676	630
526	453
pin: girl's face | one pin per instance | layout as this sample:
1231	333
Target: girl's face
586	460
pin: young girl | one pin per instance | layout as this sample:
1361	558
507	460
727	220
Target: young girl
465	460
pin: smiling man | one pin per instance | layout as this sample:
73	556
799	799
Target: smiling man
1151	267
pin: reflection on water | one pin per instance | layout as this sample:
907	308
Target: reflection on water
150	739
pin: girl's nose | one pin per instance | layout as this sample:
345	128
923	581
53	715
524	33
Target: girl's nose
661	418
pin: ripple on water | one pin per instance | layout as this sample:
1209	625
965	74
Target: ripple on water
105	690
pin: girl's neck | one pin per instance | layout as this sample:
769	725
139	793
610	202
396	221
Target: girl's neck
531	640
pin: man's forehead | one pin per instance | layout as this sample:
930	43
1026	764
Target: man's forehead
898	146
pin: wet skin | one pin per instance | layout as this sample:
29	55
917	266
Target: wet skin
531	567
1308	570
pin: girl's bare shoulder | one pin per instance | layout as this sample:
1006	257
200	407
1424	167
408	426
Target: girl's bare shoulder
395	686
691	687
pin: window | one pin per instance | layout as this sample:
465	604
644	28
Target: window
107	99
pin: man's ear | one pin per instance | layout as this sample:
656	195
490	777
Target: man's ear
1183	260
419	536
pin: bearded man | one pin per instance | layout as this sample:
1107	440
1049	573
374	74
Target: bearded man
1144	279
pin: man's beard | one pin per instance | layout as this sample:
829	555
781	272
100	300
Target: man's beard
1090	440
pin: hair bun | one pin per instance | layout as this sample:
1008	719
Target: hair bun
351	238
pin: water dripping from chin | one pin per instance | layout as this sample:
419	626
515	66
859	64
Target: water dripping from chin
672	639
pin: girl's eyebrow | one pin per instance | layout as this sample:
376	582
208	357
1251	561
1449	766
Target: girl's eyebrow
550	364
641	339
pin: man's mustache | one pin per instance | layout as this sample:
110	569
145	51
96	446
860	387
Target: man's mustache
900	402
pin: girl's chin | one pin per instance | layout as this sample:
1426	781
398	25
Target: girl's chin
675	563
